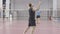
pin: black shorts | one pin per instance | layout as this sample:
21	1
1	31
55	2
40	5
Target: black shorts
38	17
32	22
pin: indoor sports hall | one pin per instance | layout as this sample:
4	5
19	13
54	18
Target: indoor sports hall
14	16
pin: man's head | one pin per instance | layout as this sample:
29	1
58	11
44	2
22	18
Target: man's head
30	5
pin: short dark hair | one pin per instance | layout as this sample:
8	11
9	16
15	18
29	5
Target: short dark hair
30	5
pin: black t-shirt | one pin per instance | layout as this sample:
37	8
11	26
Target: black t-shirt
31	14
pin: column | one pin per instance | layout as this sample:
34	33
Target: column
7	8
54	9
1	9
58	9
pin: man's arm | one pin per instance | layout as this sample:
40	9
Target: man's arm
38	7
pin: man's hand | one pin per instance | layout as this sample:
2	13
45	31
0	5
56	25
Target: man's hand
38	6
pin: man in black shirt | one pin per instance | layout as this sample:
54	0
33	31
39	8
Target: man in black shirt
32	17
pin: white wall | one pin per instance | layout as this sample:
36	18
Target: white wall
58	4
23	4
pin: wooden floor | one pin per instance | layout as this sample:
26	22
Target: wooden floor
19	26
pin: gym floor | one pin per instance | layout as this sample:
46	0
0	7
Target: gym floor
19	26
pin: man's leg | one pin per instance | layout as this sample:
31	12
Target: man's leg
33	29
26	30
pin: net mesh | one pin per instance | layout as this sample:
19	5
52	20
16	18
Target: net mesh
23	14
